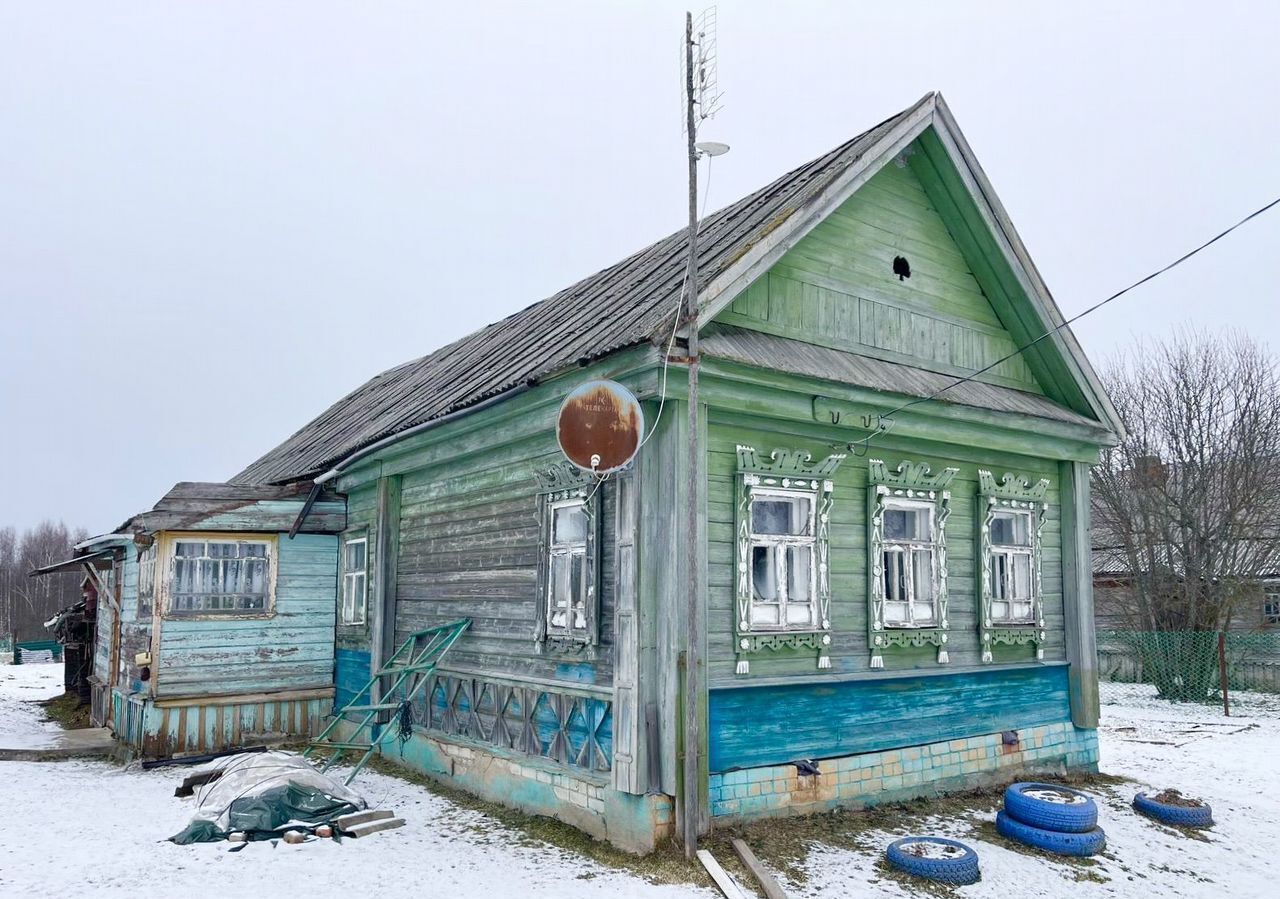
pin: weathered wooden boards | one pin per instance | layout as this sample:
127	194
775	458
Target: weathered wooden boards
768	883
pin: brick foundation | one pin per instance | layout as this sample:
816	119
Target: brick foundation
876	777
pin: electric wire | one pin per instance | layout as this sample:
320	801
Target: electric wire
884	420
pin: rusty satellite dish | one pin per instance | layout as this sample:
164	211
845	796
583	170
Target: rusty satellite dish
600	426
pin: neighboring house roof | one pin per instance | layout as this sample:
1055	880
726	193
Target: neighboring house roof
636	300
239	507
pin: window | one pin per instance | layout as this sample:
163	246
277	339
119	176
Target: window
220	577
1012	567
783	593
146	582
1271	604
569	504
1011	513
909	565
566	596
781	526
907	558
354	580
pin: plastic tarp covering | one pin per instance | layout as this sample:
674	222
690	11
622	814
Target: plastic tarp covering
264	792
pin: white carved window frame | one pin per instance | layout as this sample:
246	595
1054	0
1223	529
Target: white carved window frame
913	484
1019	496
784	542
907	549
565	486
791	473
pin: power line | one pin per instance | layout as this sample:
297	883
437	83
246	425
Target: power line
883	423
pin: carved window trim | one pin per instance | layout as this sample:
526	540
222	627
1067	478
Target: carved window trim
1016	494
910	482
785	472
562	484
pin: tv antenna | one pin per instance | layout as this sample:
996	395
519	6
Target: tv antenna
706	91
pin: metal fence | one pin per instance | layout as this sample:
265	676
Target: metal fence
1192	666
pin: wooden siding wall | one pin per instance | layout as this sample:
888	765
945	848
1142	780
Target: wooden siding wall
836	287
292	650
850	653
469	548
880	713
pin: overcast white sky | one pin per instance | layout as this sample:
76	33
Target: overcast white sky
216	218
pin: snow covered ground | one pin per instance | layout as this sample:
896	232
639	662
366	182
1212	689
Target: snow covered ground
97	829
21	687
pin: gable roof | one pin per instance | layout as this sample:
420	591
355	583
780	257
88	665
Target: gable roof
626	304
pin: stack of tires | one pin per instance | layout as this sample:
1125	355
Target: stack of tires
1053	818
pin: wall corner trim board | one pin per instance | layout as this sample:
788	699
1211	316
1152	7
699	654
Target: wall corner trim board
778	723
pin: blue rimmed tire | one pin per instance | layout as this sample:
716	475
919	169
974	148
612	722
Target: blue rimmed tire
1051	807
1079	844
1200	815
934	858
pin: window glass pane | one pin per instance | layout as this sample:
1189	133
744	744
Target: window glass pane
558	601
907	524
1021	610
1011	529
353	558
895	613
577	584
922	612
787	515
922	574
185	550
766	613
895	582
252	551
999	610
1000	575
799	573
569	525
764	573
1021	576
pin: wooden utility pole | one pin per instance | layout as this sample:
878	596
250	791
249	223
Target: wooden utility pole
694	664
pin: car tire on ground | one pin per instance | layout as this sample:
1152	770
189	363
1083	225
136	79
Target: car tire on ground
1179	815
1078	844
954	863
1051	807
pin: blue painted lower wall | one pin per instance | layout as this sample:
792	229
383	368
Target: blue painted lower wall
773	725
350	674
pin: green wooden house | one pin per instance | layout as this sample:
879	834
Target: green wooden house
903	617
213	617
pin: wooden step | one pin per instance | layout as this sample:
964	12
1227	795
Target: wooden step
346	822
364	830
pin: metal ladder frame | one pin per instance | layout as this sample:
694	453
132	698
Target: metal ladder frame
421	662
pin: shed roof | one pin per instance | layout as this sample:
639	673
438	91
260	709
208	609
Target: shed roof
623	305
238	507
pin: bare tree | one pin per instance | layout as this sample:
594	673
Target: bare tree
1189	502
26	602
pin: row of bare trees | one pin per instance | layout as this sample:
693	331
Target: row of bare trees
27	602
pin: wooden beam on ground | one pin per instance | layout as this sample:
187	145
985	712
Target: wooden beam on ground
719	875
768	883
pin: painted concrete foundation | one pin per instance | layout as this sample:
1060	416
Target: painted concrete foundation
589	803
876	777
